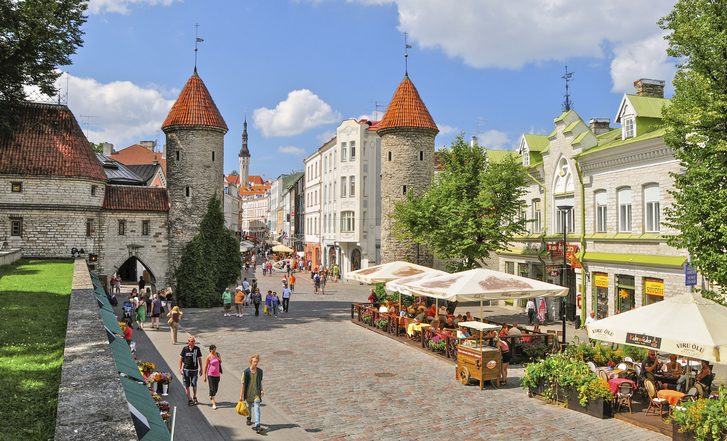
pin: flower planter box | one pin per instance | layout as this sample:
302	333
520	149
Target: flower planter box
599	408
676	435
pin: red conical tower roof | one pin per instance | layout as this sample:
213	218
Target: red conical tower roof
194	107
406	109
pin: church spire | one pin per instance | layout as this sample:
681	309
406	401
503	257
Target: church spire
244	152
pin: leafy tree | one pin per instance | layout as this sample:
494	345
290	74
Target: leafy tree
696	129
210	262
469	211
36	36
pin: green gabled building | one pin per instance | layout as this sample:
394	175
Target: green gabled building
607	188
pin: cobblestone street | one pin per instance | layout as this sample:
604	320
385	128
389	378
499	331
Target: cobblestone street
329	379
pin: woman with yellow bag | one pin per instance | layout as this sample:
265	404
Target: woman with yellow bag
251	392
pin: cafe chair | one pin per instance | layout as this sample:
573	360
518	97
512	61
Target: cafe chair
592	366
603	375
706	383
622	366
628	359
623	395
655	403
637	368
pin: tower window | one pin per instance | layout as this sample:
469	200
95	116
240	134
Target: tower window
16	226
421	155
122	227
16	187
389	156
89	228
145	228
187	191
403	189
213	156
177	154
93	190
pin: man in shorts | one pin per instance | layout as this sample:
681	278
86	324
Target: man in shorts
190	367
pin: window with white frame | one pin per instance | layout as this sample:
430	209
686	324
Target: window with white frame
347	222
525	152
601	206
624	209
652	214
343	186
522	211
344	151
364	190
537	216
629	129
352	150
569	217
352	186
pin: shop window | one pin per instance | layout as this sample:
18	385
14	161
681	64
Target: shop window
600	198
16	226
653	290
625	293
600	294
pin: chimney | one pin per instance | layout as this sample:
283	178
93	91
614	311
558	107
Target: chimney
148	145
599	125
647	87
108	148
473	141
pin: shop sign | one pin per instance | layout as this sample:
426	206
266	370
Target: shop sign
690	349
643	340
556	250
690	275
654	287
600	280
553	270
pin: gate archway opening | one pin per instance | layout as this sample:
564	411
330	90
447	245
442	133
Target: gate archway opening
355	259
132	269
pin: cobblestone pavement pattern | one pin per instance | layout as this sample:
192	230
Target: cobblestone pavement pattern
321	382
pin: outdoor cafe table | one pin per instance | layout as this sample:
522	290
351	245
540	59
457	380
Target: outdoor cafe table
613	373
672	396
614	383
416	327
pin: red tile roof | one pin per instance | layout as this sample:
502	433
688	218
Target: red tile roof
139	155
194	107
406	109
255	179
233	179
134	198
48	142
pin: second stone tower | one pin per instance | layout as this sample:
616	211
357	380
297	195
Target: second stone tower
407	133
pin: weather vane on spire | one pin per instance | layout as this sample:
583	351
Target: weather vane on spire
568	76
407	46
197	40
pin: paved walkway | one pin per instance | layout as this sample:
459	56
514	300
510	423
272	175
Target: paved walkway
329	379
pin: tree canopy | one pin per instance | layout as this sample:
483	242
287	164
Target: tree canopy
210	262
36	36
470	210
696	129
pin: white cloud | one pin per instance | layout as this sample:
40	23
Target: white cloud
121	6
302	110
291	150
445	129
645	58
119	112
496	34
326	136
494	139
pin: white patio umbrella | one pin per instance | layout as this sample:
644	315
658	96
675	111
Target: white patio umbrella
399	285
386	272
686	325
482	284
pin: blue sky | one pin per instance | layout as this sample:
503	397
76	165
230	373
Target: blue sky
297	68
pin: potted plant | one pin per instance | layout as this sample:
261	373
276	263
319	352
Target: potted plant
367	318
593	397
701	420
382	323
437	343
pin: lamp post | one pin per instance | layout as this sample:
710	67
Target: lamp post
564	208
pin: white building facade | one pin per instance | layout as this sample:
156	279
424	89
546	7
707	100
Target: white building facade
313	202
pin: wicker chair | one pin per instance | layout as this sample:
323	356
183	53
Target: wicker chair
655	403
623	395
602	375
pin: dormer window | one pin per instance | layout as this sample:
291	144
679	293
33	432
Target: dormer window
525	152
629	128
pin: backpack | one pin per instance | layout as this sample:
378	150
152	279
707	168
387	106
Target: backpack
112	299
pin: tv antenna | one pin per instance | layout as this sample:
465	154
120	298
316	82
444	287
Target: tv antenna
568	77
87	122
197	40
379	109
407	46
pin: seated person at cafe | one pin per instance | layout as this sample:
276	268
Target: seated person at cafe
449	324
529	338
505	329
704	376
673	371
405	312
436	324
432	312
384	308
443	311
463	332
458	319
651	364
421	315
468	317
514	331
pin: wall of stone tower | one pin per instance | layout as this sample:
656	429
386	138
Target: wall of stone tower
197	170
244	170
411	165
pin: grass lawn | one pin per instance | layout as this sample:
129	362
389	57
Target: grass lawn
34	296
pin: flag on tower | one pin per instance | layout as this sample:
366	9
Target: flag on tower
200	40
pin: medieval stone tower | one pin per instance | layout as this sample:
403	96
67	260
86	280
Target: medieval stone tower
407	133
195	134
244	157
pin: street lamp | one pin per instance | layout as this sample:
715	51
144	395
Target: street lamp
565	208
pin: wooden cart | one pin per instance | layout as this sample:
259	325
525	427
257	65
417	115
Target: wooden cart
475	361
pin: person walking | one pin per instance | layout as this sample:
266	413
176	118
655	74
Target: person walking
291	281
268	302
316	284
142	284
246	286
140	314
239	300
286	299
212	371
336	273
276	304
530	308
251	391
190	367
147	300
226	302
175	316
156	311
257	298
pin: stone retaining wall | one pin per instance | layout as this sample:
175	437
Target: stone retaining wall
91	401
9	256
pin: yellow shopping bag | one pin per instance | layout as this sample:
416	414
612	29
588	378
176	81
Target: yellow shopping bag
265	309
241	408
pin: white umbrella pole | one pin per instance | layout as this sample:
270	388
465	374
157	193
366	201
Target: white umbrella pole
482	316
